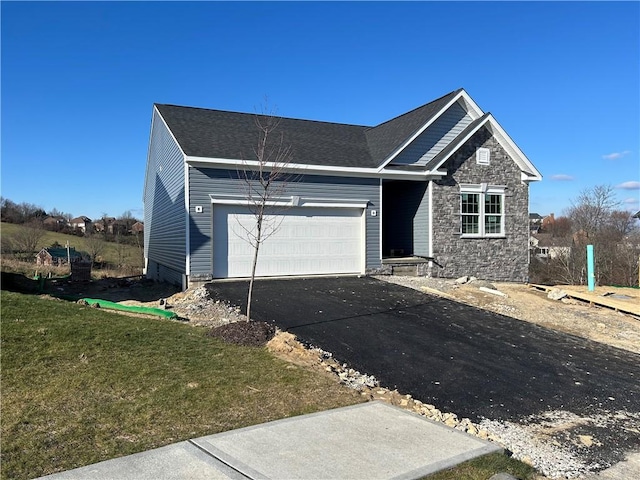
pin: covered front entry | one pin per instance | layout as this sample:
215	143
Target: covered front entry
405	219
307	241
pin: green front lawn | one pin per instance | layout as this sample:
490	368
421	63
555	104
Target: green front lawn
80	385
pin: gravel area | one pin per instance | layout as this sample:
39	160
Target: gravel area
558	443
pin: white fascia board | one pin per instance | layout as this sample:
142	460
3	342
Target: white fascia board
153	117
529	172
526	177
146	171
404	175
320	170
235	164
472	109
510	146
170	132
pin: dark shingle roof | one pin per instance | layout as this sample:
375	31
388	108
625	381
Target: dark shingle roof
232	135
388	136
220	134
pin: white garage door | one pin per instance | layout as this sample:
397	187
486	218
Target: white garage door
308	241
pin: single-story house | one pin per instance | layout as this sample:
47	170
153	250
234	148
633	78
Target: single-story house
54	222
56	256
443	182
545	245
137	228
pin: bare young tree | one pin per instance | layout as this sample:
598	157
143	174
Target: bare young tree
28	237
95	245
264	182
591	210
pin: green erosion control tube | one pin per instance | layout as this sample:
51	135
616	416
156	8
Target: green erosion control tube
130	308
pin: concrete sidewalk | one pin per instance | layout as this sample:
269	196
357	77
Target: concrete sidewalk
370	440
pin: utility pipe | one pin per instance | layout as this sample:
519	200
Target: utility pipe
591	276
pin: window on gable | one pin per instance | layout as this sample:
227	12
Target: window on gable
483	156
482	210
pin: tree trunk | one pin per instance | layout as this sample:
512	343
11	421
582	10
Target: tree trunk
255	258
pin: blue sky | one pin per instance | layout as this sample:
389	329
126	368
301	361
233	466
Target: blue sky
79	80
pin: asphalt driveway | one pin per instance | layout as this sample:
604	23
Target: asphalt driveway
462	359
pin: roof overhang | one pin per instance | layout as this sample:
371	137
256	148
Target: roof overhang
335	171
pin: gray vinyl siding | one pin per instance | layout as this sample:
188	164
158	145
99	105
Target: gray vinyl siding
406	218
161	273
164	202
437	136
206	181
421	225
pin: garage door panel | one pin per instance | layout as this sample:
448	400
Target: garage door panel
306	241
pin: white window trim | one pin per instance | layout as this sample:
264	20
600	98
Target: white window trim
483	189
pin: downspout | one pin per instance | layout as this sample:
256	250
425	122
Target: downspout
187	204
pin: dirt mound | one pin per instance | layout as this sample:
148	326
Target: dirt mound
285	345
250	334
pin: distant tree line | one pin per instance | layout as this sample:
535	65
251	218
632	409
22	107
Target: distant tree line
595	218
57	221
12	212
36	221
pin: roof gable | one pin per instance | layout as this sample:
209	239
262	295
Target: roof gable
529	172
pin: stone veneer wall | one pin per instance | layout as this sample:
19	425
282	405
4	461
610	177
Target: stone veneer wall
499	259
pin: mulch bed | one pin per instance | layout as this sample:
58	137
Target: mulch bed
250	334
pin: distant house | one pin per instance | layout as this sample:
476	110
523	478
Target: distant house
123	226
547	223
544	245
137	228
54	222
535	222
443	182
57	256
114	226
83	223
104	224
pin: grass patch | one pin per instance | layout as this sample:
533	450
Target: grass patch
80	385
131	254
486	466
